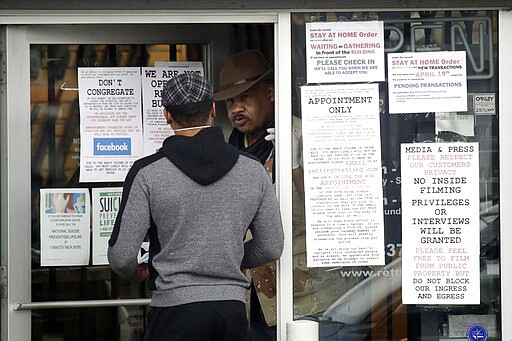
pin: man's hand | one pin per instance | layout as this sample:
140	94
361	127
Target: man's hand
142	273
271	135
295	146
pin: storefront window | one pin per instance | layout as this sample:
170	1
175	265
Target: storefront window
365	302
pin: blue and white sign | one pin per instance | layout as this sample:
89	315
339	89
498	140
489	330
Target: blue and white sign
476	332
112	146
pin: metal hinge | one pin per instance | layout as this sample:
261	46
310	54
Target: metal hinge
3	281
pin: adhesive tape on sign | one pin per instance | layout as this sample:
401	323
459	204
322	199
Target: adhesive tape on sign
302	330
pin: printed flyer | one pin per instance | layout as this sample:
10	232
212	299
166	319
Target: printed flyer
342	175
454	122
342	52
484	103
427	82
65	221
110	122
156	128
440	223
105	206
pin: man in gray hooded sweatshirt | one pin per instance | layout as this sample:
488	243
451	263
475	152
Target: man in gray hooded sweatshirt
196	198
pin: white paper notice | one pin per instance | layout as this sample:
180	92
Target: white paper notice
65	222
342	175
339	52
440	223
427	82
455	122
105	205
156	128
110	122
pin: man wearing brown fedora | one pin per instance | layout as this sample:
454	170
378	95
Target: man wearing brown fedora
246	84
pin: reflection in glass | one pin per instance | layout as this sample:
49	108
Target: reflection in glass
364	303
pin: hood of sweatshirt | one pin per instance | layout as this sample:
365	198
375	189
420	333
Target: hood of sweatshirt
204	157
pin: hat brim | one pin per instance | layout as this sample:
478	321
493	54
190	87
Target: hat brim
237	89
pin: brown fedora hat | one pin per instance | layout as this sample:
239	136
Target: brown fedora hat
240	71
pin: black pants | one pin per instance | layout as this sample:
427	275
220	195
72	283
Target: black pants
200	321
259	330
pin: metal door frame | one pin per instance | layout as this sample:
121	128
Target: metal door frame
505	143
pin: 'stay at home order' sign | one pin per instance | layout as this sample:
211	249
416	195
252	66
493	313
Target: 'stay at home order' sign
440	223
340	52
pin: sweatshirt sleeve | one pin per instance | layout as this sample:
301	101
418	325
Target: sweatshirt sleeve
266	228
131	226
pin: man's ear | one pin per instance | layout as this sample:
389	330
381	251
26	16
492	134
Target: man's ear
168	116
213	111
270	92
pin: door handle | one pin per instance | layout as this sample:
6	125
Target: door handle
80	304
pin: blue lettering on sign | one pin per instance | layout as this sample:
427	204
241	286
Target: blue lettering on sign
112	146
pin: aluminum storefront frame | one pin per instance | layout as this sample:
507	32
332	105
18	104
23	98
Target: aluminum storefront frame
18	34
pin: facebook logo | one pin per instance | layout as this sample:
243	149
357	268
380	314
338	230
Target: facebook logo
112	146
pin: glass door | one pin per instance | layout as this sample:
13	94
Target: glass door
55	159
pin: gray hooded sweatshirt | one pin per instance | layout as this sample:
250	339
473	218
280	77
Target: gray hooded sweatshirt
196	198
